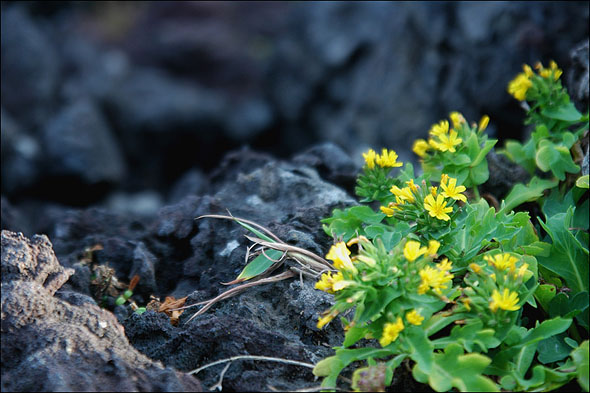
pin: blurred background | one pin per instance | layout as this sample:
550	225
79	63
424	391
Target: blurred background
124	103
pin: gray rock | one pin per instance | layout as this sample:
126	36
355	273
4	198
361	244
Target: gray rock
30	68
49	344
149	100
21	155
79	143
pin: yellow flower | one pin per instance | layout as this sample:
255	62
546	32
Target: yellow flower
522	270
457	119
441	128
420	147
452	191
323	321
433	191
483	123
466	302
475	267
449	142
433	278
330	282
412	186
445	265
444	178
391	332
546	72
501	261
528	71
519	86
340	255
404	194
388	159
433	247
389	210
414	318
370	158
413	249
437	208
506	301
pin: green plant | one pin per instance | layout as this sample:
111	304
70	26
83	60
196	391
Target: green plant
438	278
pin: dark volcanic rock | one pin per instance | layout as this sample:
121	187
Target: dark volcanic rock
30	67
79	144
49	344
21	153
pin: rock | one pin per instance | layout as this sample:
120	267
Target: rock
30	68
49	344
359	89
193	182
578	77
149	100
79	144
21	154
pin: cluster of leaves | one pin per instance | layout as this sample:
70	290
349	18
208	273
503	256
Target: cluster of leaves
476	299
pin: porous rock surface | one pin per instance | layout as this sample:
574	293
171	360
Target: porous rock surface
51	345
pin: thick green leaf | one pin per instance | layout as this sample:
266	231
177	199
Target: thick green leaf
376	306
568	258
566	112
488	145
420	347
469	336
531	192
582	182
580	358
478	174
553	349
260	264
544	294
453	368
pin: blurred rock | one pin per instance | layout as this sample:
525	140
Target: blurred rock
79	144
380	74
30	68
578	80
193	182
21	154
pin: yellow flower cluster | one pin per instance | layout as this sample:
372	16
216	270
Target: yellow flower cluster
507	300
444	139
391	332
414	318
387	159
340	255
413	249
520	85
331	282
434	203
436	279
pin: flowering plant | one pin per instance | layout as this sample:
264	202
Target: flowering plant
438	279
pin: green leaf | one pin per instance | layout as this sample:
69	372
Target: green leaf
354	334
531	192
420	347
553	349
566	112
544	294
580	358
582	182
568	258
488	145
376	306
260	264
469	336
327	366
453	368
478	174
